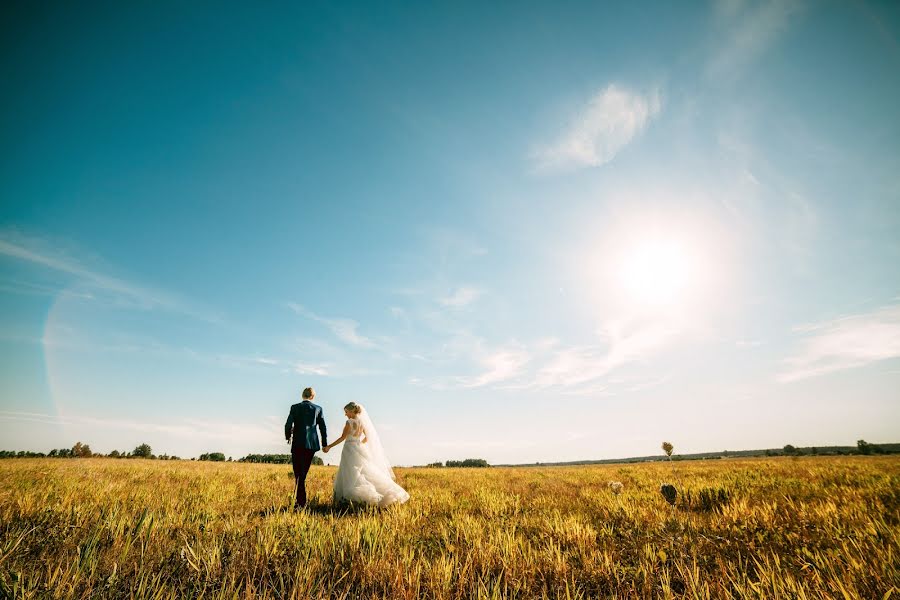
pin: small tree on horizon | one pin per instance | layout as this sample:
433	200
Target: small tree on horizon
143	451
80	450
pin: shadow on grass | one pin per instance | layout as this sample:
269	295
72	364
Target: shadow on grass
317	507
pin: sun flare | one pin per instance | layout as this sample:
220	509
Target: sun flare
657	272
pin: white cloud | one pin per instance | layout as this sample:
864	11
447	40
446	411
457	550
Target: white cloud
344	329
609	122
747	30
451	245
461	297
311	369
583	364
187	428
573	369
845	343
499	366
43	253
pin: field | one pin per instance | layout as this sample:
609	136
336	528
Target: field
806	527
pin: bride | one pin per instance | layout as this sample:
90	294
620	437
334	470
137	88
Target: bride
364	475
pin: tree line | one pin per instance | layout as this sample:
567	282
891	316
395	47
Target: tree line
862	447
81	450
469	462
276	459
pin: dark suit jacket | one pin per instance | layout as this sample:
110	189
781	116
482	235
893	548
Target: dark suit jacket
302	422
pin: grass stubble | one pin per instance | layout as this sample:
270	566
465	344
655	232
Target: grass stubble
807	527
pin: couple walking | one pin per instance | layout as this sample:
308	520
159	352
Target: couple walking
364	475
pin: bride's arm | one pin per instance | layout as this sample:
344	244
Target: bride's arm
344	435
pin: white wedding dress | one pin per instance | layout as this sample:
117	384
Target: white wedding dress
365	475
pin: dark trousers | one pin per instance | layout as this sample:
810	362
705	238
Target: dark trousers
301	459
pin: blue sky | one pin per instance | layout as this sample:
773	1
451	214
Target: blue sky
523	232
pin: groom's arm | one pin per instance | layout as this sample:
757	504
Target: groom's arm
289	426
320	421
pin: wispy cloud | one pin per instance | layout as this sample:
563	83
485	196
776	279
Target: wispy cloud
344	329
580	369
609	122
583	364
747	30
450	245
95	283
499	366
311	369
461	297
187	428
845	343
480	444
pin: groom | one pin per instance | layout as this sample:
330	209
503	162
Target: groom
302	422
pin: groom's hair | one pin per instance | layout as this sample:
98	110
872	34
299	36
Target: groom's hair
309	394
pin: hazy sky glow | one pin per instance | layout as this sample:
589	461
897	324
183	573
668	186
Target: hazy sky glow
520	232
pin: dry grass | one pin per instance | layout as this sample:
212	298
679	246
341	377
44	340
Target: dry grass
780	528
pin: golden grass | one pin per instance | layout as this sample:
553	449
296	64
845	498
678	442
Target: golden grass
807	527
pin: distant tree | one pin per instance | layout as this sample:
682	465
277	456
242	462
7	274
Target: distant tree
54	452
114	454
80	450
789	450
142	451
814	451
213	456
435	465
866	448
318	461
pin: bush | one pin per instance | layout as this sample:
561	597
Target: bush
213	456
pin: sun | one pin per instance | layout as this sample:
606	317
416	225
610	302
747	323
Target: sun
657	271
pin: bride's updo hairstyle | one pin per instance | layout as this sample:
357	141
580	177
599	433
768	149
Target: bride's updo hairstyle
353	407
